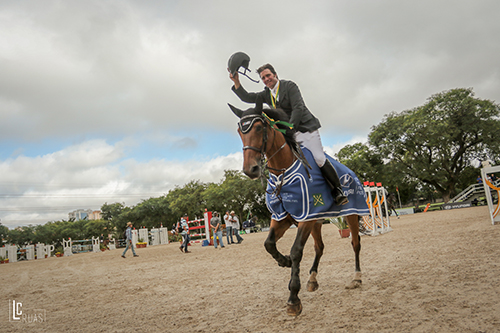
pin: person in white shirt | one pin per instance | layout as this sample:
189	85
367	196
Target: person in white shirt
236	227
229	227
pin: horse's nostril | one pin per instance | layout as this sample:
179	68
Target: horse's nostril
253	172
255	169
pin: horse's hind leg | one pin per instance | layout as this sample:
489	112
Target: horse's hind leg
276	231
294	306
312	284
353	222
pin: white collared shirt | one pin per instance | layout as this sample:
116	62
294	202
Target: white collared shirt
275	90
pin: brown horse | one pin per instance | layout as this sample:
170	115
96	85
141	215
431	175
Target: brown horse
262	139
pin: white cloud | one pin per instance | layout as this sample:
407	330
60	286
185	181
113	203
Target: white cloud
87	175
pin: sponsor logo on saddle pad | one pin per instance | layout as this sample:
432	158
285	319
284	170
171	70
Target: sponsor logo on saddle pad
346	180
318	200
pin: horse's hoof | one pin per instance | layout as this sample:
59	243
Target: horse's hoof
294	309
286	262
312	286
354	284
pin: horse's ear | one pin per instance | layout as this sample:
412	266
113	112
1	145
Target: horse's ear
258	105
236	111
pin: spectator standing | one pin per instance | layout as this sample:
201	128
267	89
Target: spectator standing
185	235
128	232
229	227
216	226
236	226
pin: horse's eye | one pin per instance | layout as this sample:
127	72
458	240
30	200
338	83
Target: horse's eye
259	128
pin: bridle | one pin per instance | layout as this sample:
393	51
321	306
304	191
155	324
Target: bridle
245	125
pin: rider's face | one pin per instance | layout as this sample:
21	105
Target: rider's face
268	78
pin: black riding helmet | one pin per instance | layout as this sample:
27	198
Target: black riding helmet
237	60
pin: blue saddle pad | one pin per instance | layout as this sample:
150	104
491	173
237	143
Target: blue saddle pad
308	198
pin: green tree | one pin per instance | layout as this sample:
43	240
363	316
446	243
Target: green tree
366	164
4	232
239	193
118	215
111	211
187	200
153	212
435	143
22	235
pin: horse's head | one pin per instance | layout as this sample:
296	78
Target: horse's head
252	129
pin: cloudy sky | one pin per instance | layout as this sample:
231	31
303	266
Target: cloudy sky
118	101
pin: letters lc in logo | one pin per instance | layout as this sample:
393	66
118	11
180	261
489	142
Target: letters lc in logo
16	310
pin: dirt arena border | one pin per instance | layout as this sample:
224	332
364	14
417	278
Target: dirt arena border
435	272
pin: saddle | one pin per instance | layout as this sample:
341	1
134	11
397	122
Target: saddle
302	192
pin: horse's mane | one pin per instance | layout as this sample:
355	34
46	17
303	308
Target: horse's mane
279	114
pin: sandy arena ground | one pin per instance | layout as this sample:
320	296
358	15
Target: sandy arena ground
435	272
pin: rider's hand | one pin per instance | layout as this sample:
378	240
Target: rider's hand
235	78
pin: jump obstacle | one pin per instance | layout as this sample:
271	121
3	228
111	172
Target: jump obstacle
378	221
199	229
27	252
488	187
159	236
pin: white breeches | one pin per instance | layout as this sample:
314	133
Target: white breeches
312	141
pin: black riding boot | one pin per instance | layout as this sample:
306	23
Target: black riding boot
333	181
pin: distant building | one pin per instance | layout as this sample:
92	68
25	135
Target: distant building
95	215
80	214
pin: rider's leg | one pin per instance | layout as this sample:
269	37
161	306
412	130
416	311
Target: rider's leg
332	179
312	141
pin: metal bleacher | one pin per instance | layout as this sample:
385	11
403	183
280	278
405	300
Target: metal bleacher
471	192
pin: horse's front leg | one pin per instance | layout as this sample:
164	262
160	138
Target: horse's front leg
294	306
353	221
312	284
276	231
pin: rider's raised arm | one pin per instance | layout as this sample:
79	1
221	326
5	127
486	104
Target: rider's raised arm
235	78
245	96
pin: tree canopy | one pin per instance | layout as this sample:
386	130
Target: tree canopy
437	143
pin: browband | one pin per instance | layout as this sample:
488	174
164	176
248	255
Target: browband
246	123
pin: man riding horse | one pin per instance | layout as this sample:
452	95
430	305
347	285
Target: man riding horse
285	94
